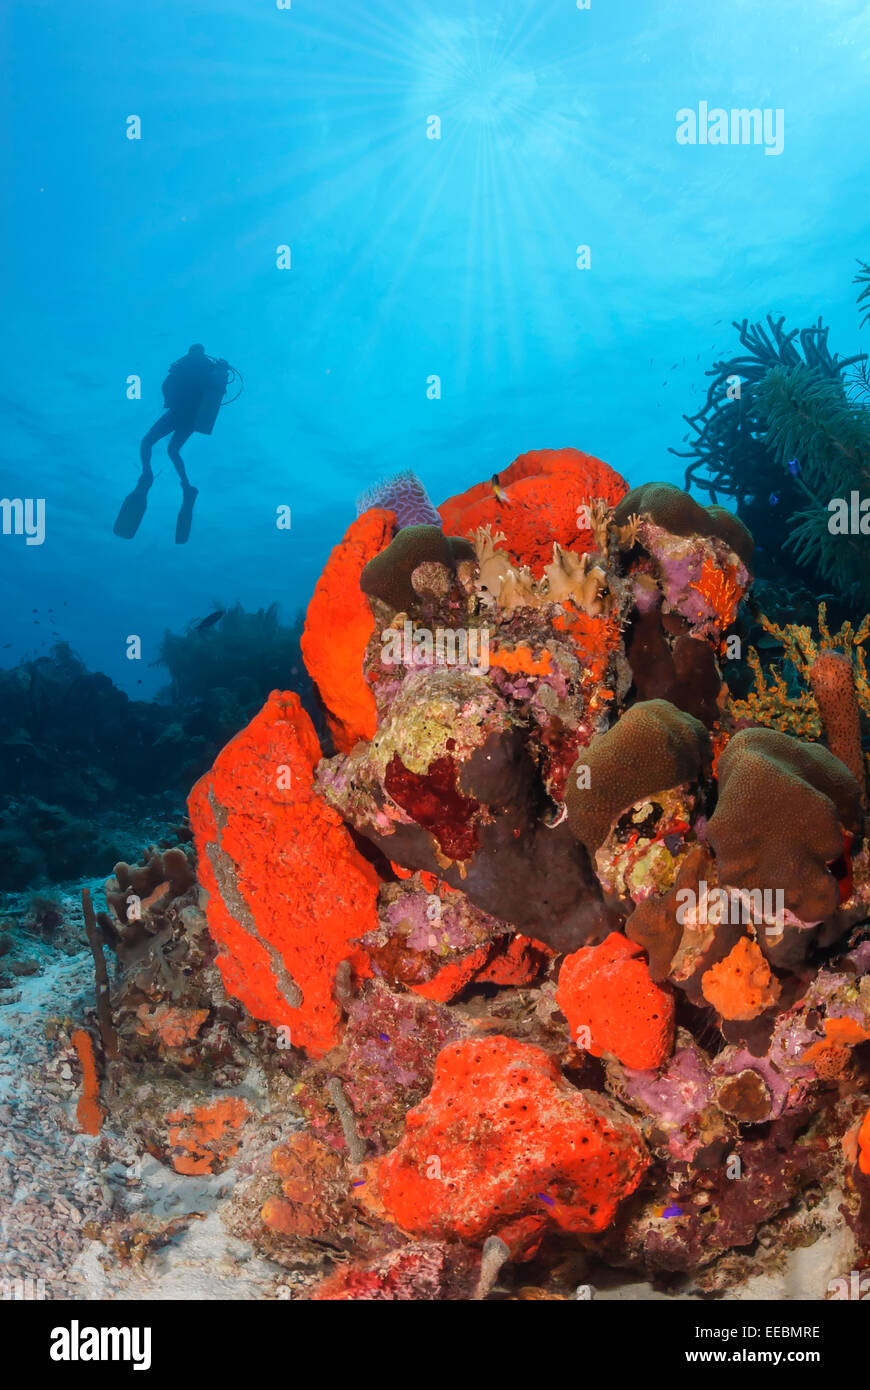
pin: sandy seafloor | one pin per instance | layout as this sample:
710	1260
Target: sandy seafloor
57	1186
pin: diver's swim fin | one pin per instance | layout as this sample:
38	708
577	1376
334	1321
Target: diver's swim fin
132	511
185	516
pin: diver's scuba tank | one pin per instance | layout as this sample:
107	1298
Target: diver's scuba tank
212	395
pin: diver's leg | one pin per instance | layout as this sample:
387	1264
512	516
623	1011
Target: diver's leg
165	425
180	437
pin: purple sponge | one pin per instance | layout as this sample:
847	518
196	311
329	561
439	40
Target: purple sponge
403	494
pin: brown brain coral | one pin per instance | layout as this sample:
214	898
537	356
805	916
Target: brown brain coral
783	806
654	746
414	558
677	512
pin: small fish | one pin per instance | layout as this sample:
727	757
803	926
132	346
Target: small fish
773	498
794	468
499	490
667	1211
384	1037
544	1198
210	621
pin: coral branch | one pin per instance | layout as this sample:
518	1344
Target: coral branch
356	1145
108	1036
495	1256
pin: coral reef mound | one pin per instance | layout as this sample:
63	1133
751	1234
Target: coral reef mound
556	958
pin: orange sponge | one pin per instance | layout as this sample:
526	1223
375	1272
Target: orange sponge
546	491
612	1005
288	893
88	1111
504	1145
741	986
338	626
206	1135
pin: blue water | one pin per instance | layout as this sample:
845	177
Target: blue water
410	257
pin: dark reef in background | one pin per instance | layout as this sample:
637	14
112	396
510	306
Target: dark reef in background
796	436
77	755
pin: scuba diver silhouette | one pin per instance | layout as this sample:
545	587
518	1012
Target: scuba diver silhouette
192	393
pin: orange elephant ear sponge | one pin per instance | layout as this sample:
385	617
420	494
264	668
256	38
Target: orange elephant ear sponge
545	490
338	626
612	1005
288	893
504	1145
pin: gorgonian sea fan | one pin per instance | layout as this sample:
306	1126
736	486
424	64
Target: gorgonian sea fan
403	494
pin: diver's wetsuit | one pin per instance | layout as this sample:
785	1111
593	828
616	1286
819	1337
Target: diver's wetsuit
182	390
